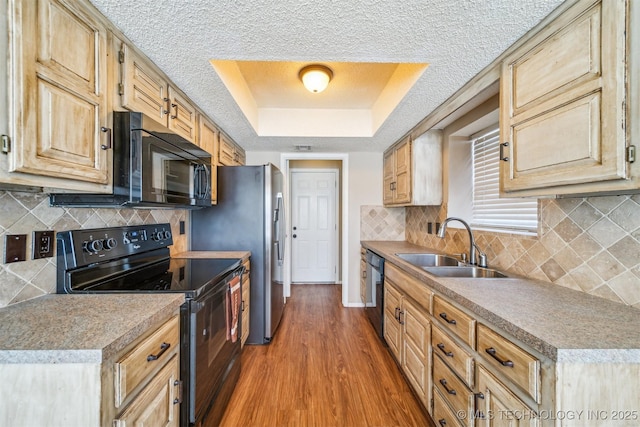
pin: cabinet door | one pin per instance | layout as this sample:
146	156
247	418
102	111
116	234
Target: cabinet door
182	114
208	141
58	83
158	404
392	328
388	180
402	188
499	406
143	88
226	153
416	356
563	103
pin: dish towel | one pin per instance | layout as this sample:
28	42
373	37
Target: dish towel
233	309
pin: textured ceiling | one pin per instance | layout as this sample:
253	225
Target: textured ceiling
457	38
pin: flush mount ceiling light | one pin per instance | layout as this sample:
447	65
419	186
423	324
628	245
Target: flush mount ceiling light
315	77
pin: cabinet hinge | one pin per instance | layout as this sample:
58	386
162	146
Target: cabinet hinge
121	56
6	144
120	89
631	153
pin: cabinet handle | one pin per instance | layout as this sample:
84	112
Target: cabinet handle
167	100
446	319
242	305
444	384
442	422
364	274
397	316
400	319
178	399
478	412
446	353
109	143
492	353
176	107
163	348
502	157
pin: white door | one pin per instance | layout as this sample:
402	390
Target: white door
313	226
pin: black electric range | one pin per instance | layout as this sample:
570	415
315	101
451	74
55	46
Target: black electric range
136	259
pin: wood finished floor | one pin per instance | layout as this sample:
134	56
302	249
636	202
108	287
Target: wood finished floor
325	367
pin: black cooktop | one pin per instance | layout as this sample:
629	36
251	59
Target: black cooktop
188	275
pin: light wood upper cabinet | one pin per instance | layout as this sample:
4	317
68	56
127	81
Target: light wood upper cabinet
208	141
230	154
412	171
58	104
563	118
144	88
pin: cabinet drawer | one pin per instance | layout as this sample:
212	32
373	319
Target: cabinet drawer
509	359
145	358
458	359
455	320
442	414
157	404
411	286
459	397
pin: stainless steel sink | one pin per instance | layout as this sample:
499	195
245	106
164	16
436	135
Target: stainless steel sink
429	259
465	271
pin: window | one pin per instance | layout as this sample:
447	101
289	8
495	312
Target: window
489	211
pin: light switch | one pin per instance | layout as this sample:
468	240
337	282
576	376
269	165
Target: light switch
15	248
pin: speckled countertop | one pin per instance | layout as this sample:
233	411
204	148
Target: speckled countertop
79	328
562	324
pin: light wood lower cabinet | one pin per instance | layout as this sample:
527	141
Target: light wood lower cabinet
157	404
140	386
147	382
498	406
246	302
407	331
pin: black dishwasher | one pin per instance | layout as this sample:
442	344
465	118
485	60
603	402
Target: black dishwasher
374	304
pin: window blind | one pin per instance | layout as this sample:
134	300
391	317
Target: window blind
489	210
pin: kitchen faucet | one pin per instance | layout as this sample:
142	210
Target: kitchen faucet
472	243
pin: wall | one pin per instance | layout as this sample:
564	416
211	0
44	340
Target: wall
588	244
23	213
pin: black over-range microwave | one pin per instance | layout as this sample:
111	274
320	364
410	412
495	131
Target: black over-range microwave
153	167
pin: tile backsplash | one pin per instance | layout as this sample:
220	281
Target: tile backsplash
381	223
588	244
23	213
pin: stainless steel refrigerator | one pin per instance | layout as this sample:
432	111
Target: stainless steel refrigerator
249	215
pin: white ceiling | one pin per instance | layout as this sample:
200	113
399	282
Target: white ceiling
457	38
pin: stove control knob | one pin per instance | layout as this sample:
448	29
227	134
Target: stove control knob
167	234
94	246
110	243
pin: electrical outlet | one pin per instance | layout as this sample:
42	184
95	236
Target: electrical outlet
182	227
42	244
437	227
430	227
15	248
